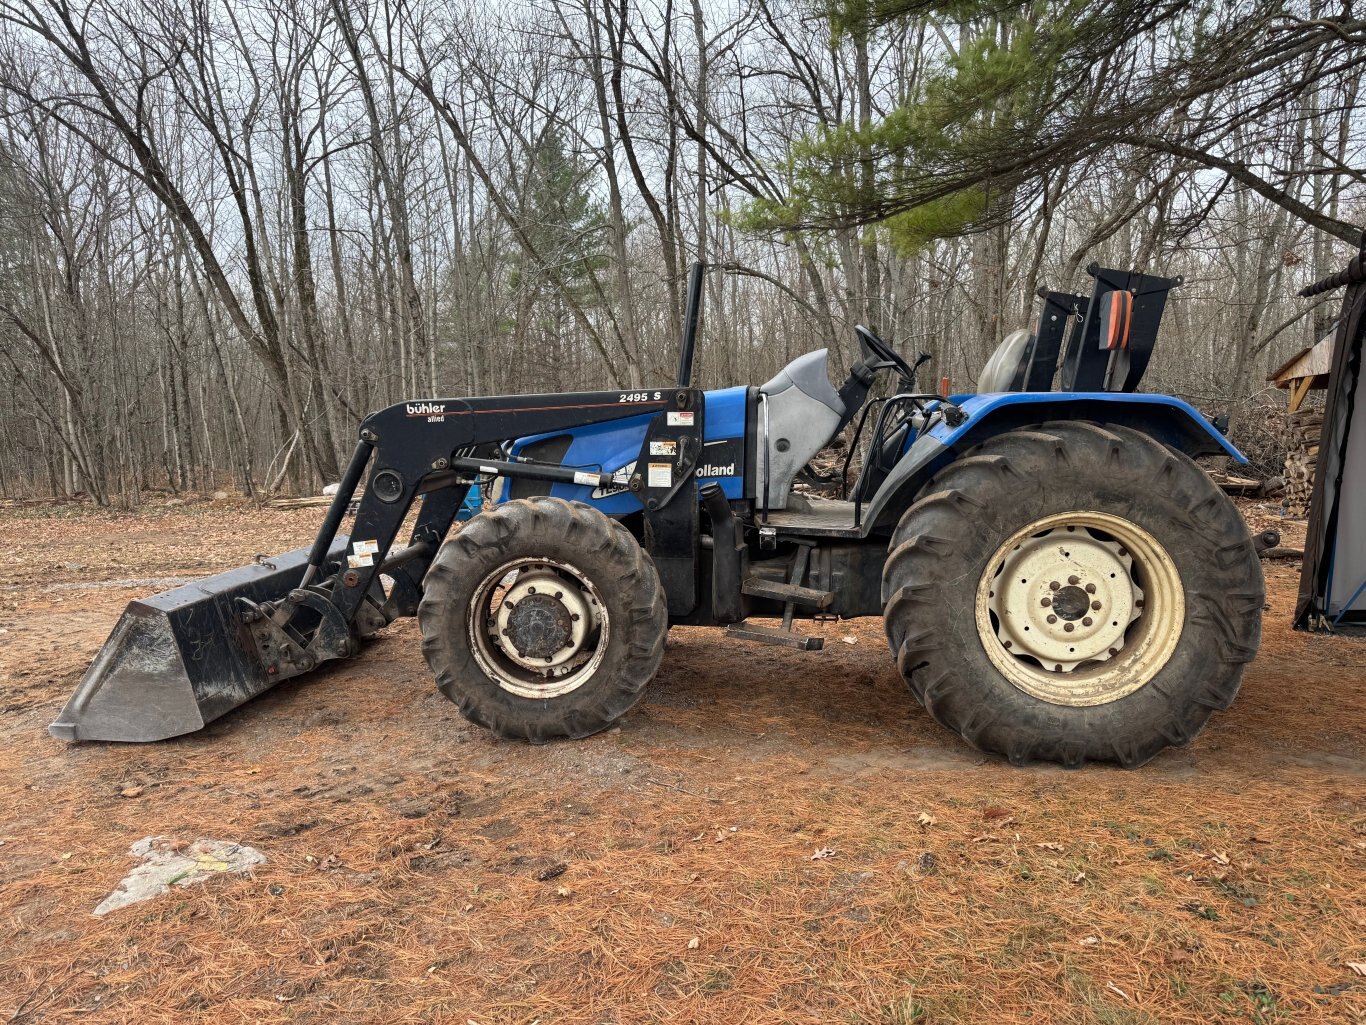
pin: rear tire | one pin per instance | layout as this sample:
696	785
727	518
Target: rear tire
587	639
1104	533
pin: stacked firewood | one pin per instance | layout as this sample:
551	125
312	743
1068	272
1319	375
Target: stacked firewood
1302	452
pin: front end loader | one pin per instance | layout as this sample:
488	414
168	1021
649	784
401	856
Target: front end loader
1058	579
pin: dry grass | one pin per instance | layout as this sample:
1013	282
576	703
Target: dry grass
1221	883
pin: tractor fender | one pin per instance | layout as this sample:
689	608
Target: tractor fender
1163	417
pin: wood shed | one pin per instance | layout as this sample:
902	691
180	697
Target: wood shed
1306	371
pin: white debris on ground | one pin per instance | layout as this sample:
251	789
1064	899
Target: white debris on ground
168	862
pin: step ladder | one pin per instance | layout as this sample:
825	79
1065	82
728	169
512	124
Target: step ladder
791	594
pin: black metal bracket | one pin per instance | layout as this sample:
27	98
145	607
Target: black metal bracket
665	481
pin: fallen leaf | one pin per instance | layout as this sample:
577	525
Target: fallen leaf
1089	941
1048	845
721	834
131	792
694	943
699	836
1080	877
1115	989
822	854
849	639
692	878
563	891
546	874
984	839
1357	967
1219	858
994	813
926	819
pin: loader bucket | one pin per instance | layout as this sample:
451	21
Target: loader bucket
177	660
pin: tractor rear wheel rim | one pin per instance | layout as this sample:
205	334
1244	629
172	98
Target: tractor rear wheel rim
538	627
1080	608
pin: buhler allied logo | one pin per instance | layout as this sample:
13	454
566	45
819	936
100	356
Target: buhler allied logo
435	412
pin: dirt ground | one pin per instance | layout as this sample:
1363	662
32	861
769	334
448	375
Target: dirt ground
421	870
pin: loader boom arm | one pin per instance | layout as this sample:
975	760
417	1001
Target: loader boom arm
176	662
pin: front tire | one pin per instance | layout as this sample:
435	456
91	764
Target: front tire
543	618
1073	593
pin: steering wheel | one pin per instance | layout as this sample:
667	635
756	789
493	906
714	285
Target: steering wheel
887	356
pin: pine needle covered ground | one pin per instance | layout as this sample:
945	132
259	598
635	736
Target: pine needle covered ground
420	870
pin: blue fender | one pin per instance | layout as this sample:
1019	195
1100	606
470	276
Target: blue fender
1163	417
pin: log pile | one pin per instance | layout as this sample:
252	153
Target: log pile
1302	452
310	501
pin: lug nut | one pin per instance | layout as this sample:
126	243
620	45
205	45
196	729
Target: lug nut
1086	621
1069	627
531	590
1046	602
1090	588
1095	605
559	594
574	616
1052	619
1054	586
1074	579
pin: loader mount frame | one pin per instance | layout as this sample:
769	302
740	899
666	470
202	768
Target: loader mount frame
431	451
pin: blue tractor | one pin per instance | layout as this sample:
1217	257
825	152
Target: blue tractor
1057	577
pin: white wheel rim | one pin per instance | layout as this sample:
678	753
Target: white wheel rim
556	643
1080	608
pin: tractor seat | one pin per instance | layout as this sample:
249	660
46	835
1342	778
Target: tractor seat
1005	370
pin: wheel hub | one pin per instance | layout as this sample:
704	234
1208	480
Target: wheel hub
1071	603
543	620
539	627
1080	608
1065	597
